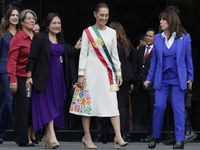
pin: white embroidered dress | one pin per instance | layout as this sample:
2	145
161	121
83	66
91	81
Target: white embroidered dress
103	102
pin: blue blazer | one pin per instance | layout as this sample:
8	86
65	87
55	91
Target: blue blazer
4	49
183	60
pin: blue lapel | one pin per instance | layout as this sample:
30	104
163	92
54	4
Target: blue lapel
160	48
179	48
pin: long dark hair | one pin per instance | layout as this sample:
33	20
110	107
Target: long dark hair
46	23
5	25
122	41
174	22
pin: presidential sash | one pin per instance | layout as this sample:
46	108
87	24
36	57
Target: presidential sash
102	52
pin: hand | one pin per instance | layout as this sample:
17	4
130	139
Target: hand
119	80
13	87
81	81
190	84
132	86
28	82
78	44
147	84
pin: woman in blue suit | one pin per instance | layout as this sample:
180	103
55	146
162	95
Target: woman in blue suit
171	69
7	29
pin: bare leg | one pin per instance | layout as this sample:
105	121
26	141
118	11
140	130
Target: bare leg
49	132
116	125
86	127
29	134
32	133
49	140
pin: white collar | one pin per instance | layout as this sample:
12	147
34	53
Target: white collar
172	36
171	39
151	46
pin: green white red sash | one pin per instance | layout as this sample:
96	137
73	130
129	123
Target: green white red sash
103	54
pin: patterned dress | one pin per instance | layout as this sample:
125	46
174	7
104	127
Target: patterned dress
102	102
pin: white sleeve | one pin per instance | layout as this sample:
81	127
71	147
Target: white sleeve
83	54
115	56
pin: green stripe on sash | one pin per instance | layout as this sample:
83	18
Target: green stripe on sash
106	51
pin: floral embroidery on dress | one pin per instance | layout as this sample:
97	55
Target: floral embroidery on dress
81	69
81	102
118	70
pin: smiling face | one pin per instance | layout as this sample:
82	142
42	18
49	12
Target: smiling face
14	17
149	37
36	28
101	16
29	21
55	25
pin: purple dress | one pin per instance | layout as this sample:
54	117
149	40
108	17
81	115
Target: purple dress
48	105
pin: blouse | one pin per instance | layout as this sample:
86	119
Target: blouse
19	50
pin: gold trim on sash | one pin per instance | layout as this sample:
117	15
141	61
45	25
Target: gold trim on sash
114	87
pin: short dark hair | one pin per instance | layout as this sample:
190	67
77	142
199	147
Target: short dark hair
175	9
151	29
47	22
101	5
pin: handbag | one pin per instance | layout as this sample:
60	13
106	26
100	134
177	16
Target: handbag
188	103
188	98
81	100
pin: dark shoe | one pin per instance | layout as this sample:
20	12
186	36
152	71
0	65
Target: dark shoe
189	136
125	138
35	141
30	145
26	145
102	139
147	139
179	145
152	143
1	141
170	141
22	145
41	133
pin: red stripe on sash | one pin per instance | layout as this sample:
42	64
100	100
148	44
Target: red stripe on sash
110	74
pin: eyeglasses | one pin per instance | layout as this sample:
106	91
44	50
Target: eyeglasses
29	18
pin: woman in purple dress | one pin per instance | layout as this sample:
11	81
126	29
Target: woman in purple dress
47	71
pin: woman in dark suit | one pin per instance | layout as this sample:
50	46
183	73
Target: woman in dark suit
8	29
47	70
171	69
126	54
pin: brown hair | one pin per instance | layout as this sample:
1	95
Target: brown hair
174	22
122	40
5	25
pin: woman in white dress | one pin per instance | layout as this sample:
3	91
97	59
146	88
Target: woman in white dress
100	66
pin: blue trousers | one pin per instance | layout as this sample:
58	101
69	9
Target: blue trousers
6	106
177	106
187	123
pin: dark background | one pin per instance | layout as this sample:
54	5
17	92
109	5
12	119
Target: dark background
135	16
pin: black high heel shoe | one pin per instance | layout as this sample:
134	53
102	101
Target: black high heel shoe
35	141
179	145
152	143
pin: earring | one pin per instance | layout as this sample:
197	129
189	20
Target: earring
46	30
